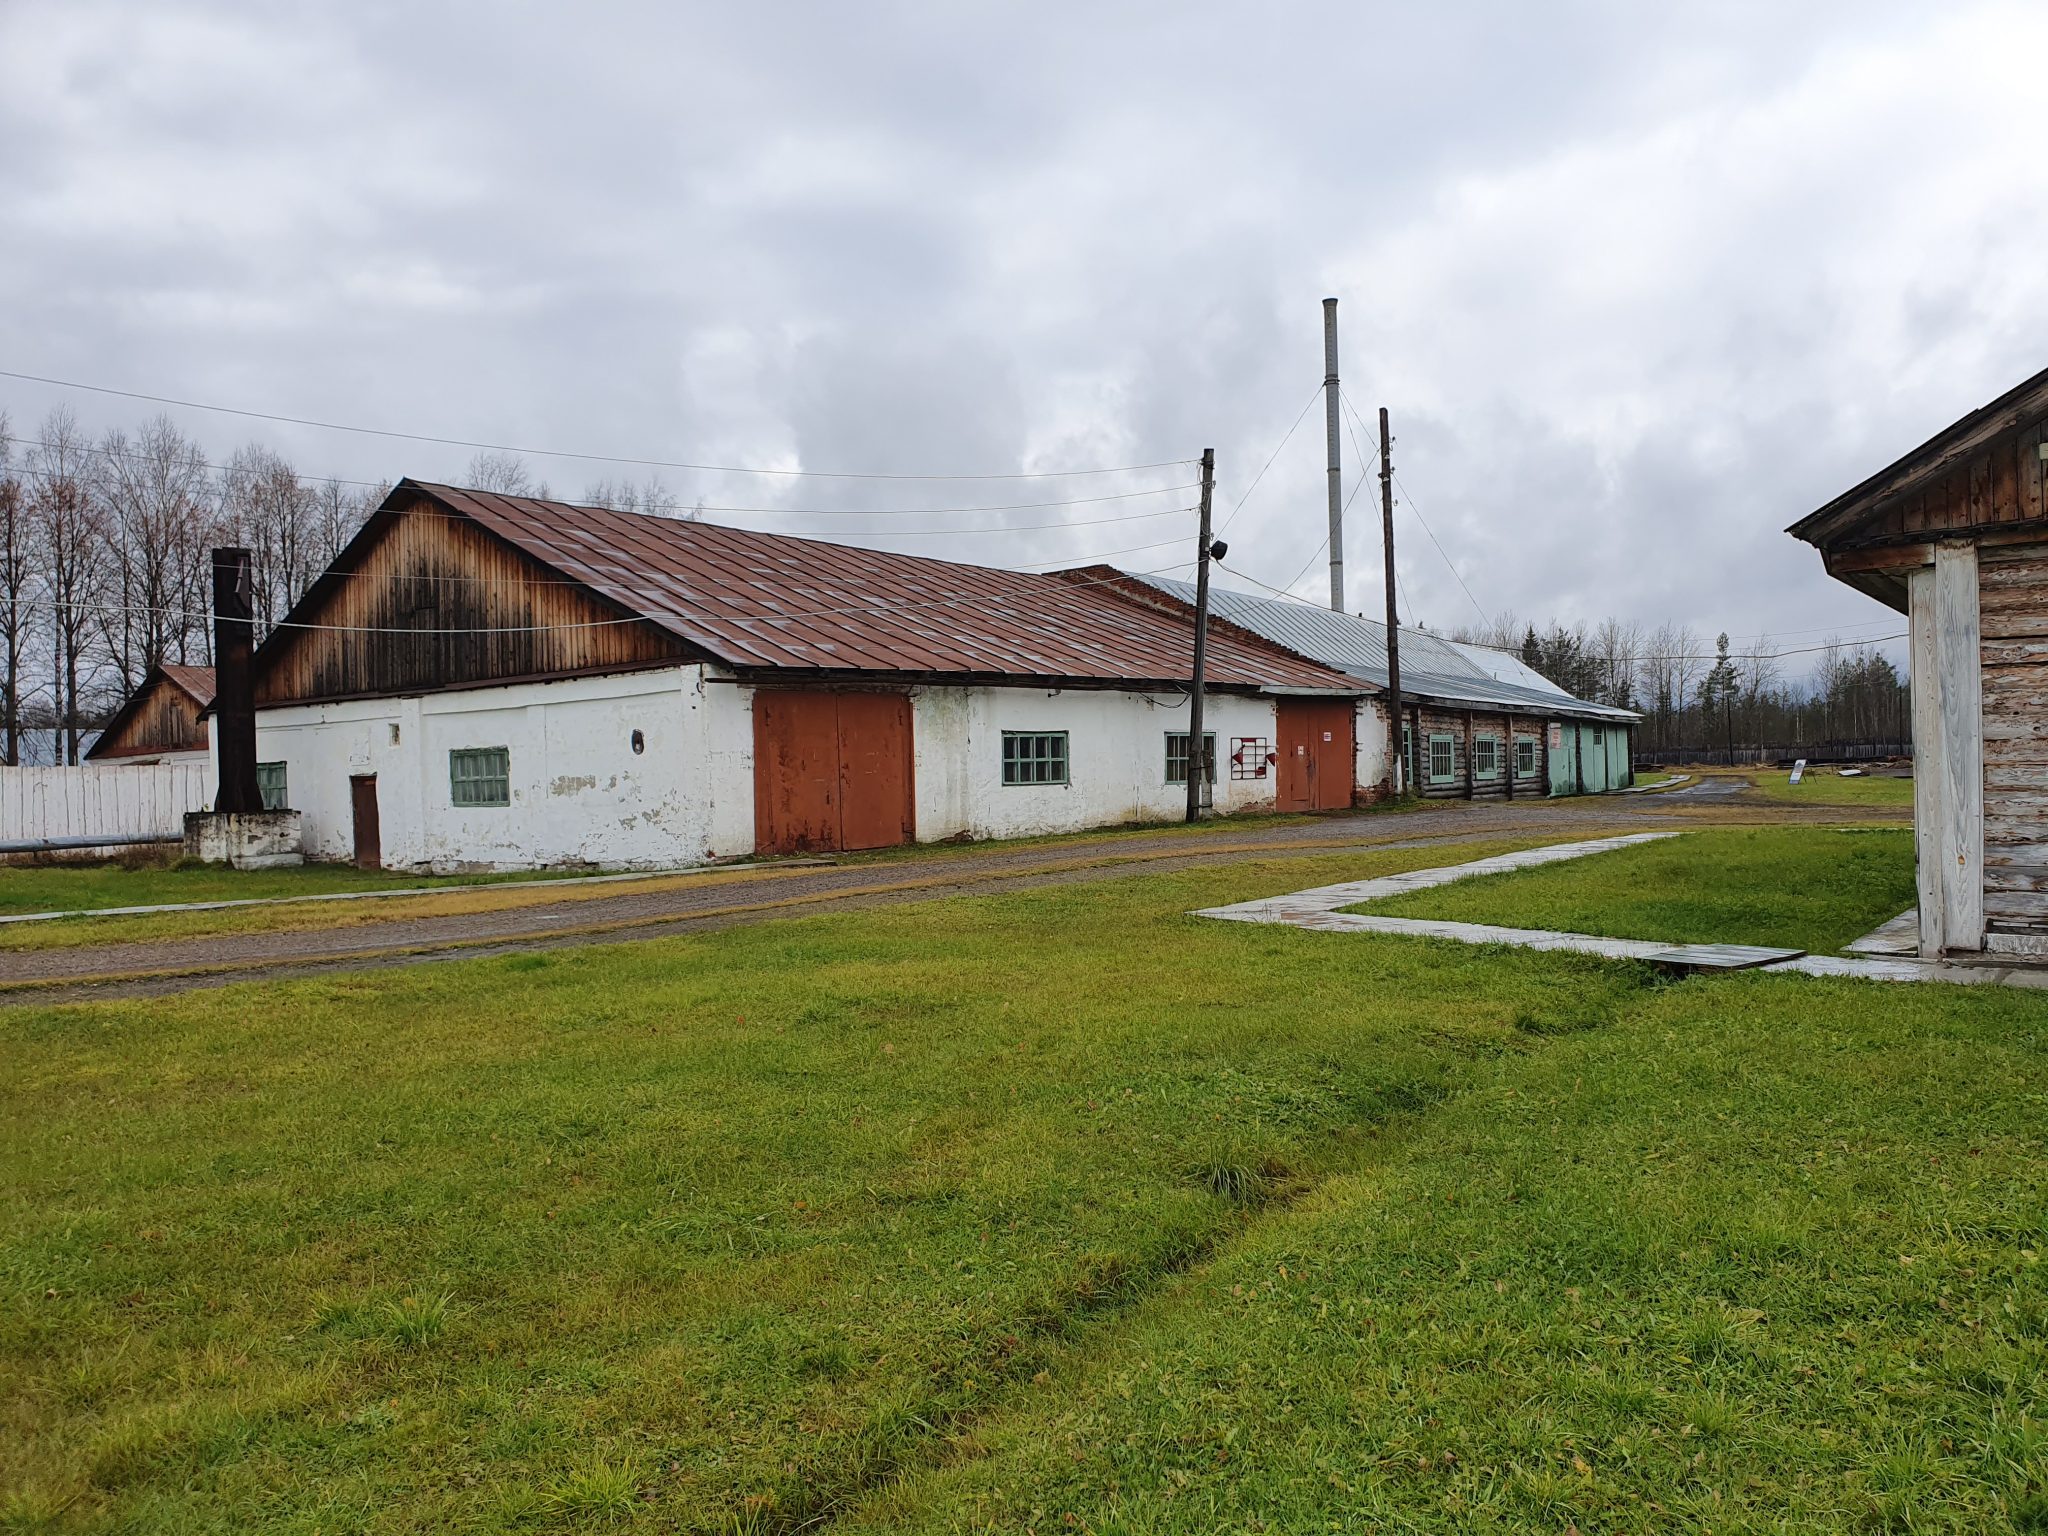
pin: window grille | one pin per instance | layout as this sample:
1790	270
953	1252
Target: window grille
1486	757
1525	757
1177	757
1251	757
1443	759
480	776
270	782
1034	757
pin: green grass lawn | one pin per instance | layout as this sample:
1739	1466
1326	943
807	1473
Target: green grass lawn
1823	786
1763	1256
80	887
1812	888
985	1212
744	1217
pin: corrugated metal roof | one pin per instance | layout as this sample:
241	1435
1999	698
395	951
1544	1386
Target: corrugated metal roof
764	600
1431	666
197	681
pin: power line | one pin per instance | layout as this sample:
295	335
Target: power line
1409	501
562	453
527	629
1008	506
1275	454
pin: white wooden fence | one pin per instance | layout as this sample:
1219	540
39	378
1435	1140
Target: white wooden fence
73	807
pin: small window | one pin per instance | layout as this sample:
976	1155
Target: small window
270	783
480	776
1443	759
1251	757
1177	757
1525	757
1485	757
1034	757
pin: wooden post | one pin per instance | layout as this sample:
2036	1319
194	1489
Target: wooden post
1198	762
1514	757
1468	754
1401	785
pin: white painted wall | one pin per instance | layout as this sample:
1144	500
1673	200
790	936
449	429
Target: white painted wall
1375	758
581	796
1116	754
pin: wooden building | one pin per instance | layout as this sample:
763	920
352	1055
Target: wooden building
1955	536
503	682
1476	724
163	720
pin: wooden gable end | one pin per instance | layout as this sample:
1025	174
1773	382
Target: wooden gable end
425	599
160	718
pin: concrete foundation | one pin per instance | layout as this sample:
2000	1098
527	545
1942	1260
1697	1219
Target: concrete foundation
257	840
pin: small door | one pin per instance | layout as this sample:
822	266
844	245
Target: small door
362	799
1318	755
832	771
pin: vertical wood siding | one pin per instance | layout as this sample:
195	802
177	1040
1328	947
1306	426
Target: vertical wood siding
166	719
418	574
2001	485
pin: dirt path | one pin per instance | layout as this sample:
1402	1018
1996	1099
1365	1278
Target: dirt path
153	968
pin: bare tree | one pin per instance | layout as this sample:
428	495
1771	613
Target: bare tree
267	507
652	497
68	545
157	497
339	510
17	574
504	473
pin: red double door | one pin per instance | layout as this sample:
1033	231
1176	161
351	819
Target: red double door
832	771
1318	754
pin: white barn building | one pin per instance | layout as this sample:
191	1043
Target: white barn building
485	681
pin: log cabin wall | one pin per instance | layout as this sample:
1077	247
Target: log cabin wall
1464	728
2012	586
165	719
418	572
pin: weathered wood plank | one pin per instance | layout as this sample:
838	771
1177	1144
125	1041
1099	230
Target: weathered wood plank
1930	775
2028	451
1957	651
2004	906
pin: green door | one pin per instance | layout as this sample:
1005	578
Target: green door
1561	738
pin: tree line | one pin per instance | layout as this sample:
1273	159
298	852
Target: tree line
106	567
1706	695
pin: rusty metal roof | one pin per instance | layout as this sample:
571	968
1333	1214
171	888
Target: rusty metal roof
777	602
197	681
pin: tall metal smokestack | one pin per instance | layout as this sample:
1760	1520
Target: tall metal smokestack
1336	463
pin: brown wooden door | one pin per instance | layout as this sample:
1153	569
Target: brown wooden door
362	799
1317	754
831	771
876	805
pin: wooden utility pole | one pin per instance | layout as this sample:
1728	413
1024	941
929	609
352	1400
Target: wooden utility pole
1400	775
234	696
1198	760
1331	424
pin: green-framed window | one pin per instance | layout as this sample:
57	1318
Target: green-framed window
1525	757
480	776
1443	758
1486	757
1034	757
1177	757
270	783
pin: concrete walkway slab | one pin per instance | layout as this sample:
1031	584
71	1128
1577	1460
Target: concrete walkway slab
1320	909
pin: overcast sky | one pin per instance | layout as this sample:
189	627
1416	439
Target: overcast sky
1640	284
